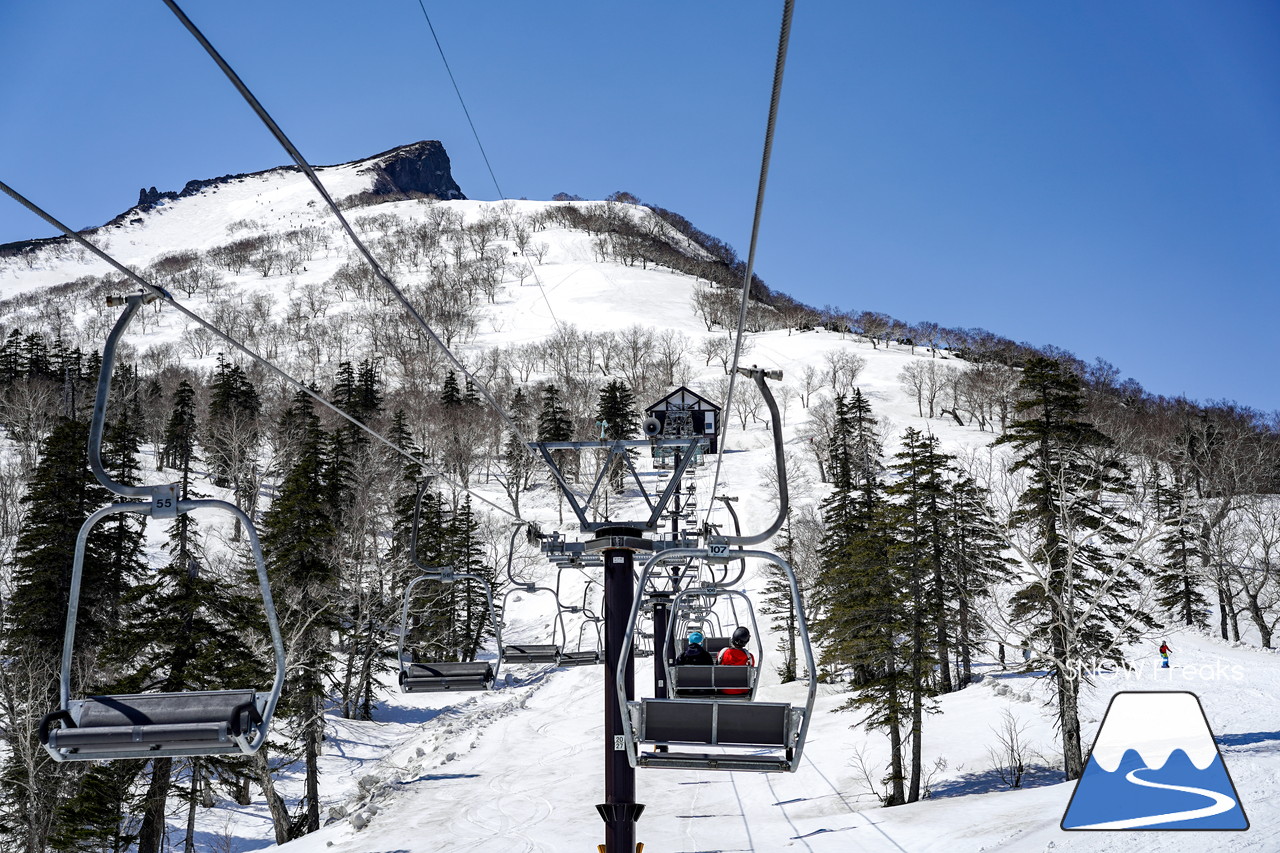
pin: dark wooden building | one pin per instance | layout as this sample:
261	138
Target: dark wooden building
684	414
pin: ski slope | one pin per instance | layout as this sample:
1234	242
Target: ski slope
520	769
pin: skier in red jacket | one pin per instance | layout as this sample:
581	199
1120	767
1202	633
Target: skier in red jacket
1164	654
736	654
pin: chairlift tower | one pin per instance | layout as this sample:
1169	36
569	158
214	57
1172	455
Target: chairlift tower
619	540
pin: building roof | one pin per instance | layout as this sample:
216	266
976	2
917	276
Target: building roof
685	397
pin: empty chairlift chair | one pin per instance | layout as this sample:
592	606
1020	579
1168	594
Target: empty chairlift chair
534	652
437	677
149	725
753	736
584	655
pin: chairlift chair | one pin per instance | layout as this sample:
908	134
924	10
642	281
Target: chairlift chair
150	725
757	736
698	681
423	677
581	656
534	652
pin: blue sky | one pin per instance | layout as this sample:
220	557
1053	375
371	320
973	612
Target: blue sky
1099	176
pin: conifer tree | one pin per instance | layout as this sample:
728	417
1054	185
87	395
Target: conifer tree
917	527
616	412
60	495
779	603
11	364
179	438
554	425
1178	578
974	563
518	460
233	433
478	619
451	394
1077	609
858	593
432	610
298	536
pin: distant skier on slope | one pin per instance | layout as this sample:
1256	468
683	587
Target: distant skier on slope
737	655
1164	654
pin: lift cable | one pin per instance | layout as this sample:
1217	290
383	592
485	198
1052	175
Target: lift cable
536	278
310	172
458	91
784	38
266	363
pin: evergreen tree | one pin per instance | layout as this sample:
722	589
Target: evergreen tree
1178	580
298	536
98	816
917	525
554	424
367	400
1078	607
12	367
472	623
974	564
779	603
179	439
431	633
60	495
859	594
518	460
617	415
451	395
233	432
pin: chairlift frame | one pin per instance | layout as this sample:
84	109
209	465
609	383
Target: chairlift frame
150	725
440	677
673	671
451	675
778	727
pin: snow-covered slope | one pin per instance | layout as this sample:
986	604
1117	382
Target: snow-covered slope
520	768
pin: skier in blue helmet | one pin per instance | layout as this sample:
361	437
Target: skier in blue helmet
694	653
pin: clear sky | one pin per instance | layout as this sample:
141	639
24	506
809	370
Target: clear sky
1101	176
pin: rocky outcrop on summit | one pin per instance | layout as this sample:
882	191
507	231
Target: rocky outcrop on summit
420	168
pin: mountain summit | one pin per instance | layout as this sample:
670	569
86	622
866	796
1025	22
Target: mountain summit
418	168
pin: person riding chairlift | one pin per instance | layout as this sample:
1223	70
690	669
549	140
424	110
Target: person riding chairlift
694	653
736	654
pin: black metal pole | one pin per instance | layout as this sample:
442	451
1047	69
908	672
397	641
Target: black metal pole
619	810
661	604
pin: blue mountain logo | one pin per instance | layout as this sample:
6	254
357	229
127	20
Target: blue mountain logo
1155	765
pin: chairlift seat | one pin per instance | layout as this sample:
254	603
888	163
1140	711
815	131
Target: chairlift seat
692	680
715	761
587	658
531	653
144	725
450	675
717	722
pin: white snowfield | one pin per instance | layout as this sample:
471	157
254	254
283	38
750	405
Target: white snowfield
520	768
